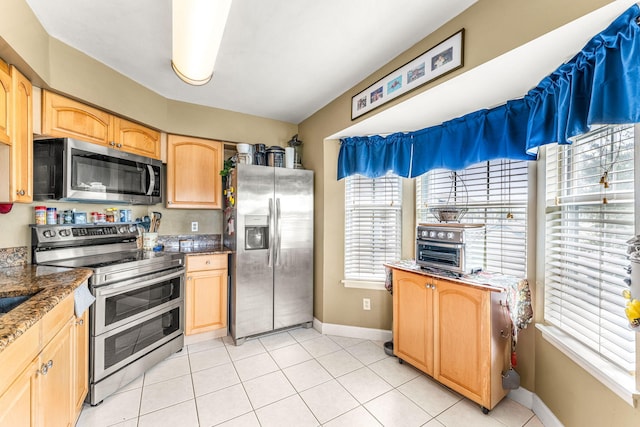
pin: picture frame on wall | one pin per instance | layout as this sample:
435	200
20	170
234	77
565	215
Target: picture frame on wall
441	59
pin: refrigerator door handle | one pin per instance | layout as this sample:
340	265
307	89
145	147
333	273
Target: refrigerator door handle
278	231
271	233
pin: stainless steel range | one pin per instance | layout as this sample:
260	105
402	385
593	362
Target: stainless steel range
137	319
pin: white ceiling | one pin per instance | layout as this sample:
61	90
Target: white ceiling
279	59
286	59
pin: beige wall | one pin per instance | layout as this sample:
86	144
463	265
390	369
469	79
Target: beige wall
15	230
574	396
492	27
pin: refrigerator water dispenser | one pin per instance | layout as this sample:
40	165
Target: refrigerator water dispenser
256	232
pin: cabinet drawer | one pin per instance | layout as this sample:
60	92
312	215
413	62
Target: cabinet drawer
53	321
206	262
18	355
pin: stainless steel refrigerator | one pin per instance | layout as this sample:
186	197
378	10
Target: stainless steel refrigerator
269	225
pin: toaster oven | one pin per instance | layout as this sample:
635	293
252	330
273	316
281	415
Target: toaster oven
454	247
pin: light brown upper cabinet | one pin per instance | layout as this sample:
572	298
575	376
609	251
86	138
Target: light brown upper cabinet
193	173
134	138
64	117
5	103
21	131
16	151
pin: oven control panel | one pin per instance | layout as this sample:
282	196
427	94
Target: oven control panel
439	234
72	232
448	232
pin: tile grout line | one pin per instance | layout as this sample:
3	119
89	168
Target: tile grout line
193	386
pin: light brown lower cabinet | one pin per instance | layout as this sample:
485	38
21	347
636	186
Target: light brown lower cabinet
55	376
206	293
453	332
81	355
18	402
46	371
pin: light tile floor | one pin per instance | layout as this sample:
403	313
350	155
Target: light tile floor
295	378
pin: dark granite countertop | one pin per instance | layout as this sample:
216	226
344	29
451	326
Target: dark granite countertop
49	286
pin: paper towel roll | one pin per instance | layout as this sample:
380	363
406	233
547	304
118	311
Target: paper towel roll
289	153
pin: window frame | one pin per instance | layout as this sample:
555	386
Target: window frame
390	205
621	382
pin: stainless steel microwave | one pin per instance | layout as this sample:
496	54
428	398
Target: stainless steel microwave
72	170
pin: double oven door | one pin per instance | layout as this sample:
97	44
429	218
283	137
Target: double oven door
133	317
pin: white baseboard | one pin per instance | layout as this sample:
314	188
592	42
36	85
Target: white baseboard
522	396
533	402
351	331
544	413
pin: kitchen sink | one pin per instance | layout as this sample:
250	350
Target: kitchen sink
9	303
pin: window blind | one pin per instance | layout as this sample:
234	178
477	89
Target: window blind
495	194
590	216
373	225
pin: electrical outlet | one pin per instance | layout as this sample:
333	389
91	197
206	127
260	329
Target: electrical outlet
194	226
366	304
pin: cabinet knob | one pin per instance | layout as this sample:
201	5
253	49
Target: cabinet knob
111	143
21	193
44	369
208	262
80	322
119	145
189	278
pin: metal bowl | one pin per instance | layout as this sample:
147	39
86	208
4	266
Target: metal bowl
448	213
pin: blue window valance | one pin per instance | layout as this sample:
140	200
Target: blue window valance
479	136
374	156
599	85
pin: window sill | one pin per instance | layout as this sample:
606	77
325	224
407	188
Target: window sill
614	378
364	284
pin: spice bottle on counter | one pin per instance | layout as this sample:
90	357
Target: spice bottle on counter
52	215
68	216
111	215
40	215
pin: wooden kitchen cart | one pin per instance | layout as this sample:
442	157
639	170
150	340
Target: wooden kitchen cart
458	333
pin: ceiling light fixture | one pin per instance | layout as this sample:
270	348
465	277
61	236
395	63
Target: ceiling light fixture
198	26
